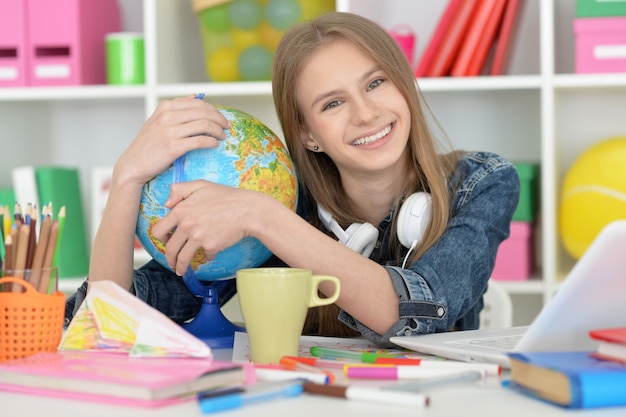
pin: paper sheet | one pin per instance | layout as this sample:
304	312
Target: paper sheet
241	348
112	319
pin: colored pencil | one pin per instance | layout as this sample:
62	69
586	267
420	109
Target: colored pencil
47	263
61	227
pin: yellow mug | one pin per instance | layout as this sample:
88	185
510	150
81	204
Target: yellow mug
274	303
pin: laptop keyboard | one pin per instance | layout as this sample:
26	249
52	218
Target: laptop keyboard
499	344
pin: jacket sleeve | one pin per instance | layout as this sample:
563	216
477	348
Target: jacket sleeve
443	289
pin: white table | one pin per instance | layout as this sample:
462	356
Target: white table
484	398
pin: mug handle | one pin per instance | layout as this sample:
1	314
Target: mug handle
315	300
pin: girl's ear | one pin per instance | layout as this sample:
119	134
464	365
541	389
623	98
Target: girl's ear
307	139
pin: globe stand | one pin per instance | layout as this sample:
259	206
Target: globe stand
210	325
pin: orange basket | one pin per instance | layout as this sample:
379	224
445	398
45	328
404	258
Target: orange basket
30	321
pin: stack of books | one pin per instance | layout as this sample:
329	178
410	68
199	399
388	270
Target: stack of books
473	37
575	379
117	378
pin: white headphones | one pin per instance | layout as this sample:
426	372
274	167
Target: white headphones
413	220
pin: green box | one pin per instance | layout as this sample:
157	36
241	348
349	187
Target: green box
528	205
597	8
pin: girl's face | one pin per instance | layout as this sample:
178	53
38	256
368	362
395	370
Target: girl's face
352	111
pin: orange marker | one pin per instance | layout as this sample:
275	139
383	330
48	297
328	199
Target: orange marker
293	365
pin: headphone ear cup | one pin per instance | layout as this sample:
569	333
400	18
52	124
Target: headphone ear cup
362	238
414	217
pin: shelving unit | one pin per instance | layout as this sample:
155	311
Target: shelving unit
541	112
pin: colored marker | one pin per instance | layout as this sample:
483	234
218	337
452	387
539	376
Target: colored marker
293	365
330	353
489	368
370	395
402	372
320	363
257	393
417	386
280	374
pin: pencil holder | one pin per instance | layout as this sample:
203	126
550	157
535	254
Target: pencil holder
30	321
44	280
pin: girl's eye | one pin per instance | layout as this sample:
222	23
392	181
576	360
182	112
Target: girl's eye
375	84
331	105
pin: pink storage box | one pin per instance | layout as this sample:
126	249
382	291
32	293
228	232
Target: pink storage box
514	261
66	40
600	44
12	43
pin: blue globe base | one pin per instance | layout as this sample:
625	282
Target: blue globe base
210	325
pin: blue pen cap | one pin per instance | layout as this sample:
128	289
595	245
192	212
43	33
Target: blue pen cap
264	393
225	402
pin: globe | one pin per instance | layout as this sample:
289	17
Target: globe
251	157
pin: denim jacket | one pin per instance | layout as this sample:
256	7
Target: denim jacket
440	291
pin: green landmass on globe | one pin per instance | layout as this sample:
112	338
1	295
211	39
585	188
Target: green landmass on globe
251	157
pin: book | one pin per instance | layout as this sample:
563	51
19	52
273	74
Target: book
451	41
61	187
505	37
479	40
475	32
574	380
436	38
7	196
611	343
111	318
118	378
25	185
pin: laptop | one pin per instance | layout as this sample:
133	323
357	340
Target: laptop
592	296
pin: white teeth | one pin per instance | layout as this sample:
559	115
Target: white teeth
373	138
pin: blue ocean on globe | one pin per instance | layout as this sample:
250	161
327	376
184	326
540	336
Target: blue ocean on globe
251	157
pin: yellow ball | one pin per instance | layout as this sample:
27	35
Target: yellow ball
243	39
593	194
222	65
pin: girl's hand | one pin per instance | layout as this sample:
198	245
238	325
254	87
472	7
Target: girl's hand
203	215
176	127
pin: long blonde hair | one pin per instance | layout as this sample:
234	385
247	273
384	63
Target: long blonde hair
317	173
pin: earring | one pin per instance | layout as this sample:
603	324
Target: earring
316	148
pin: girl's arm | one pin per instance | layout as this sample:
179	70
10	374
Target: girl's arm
176	126
213	217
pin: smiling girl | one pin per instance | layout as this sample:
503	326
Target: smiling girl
428	221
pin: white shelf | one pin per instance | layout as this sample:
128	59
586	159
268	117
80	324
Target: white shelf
542	111
260	88
589	81
94	92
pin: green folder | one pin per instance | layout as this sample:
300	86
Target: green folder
61	187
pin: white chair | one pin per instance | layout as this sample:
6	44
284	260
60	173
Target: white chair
498	309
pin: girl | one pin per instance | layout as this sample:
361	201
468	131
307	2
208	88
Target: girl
352	118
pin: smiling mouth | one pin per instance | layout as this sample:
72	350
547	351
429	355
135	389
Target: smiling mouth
372	138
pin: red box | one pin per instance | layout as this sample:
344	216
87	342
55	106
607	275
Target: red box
600	44
514	261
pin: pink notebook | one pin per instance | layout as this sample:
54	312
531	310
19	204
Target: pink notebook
118	378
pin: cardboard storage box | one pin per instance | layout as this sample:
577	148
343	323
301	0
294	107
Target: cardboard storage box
515	258
600	44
